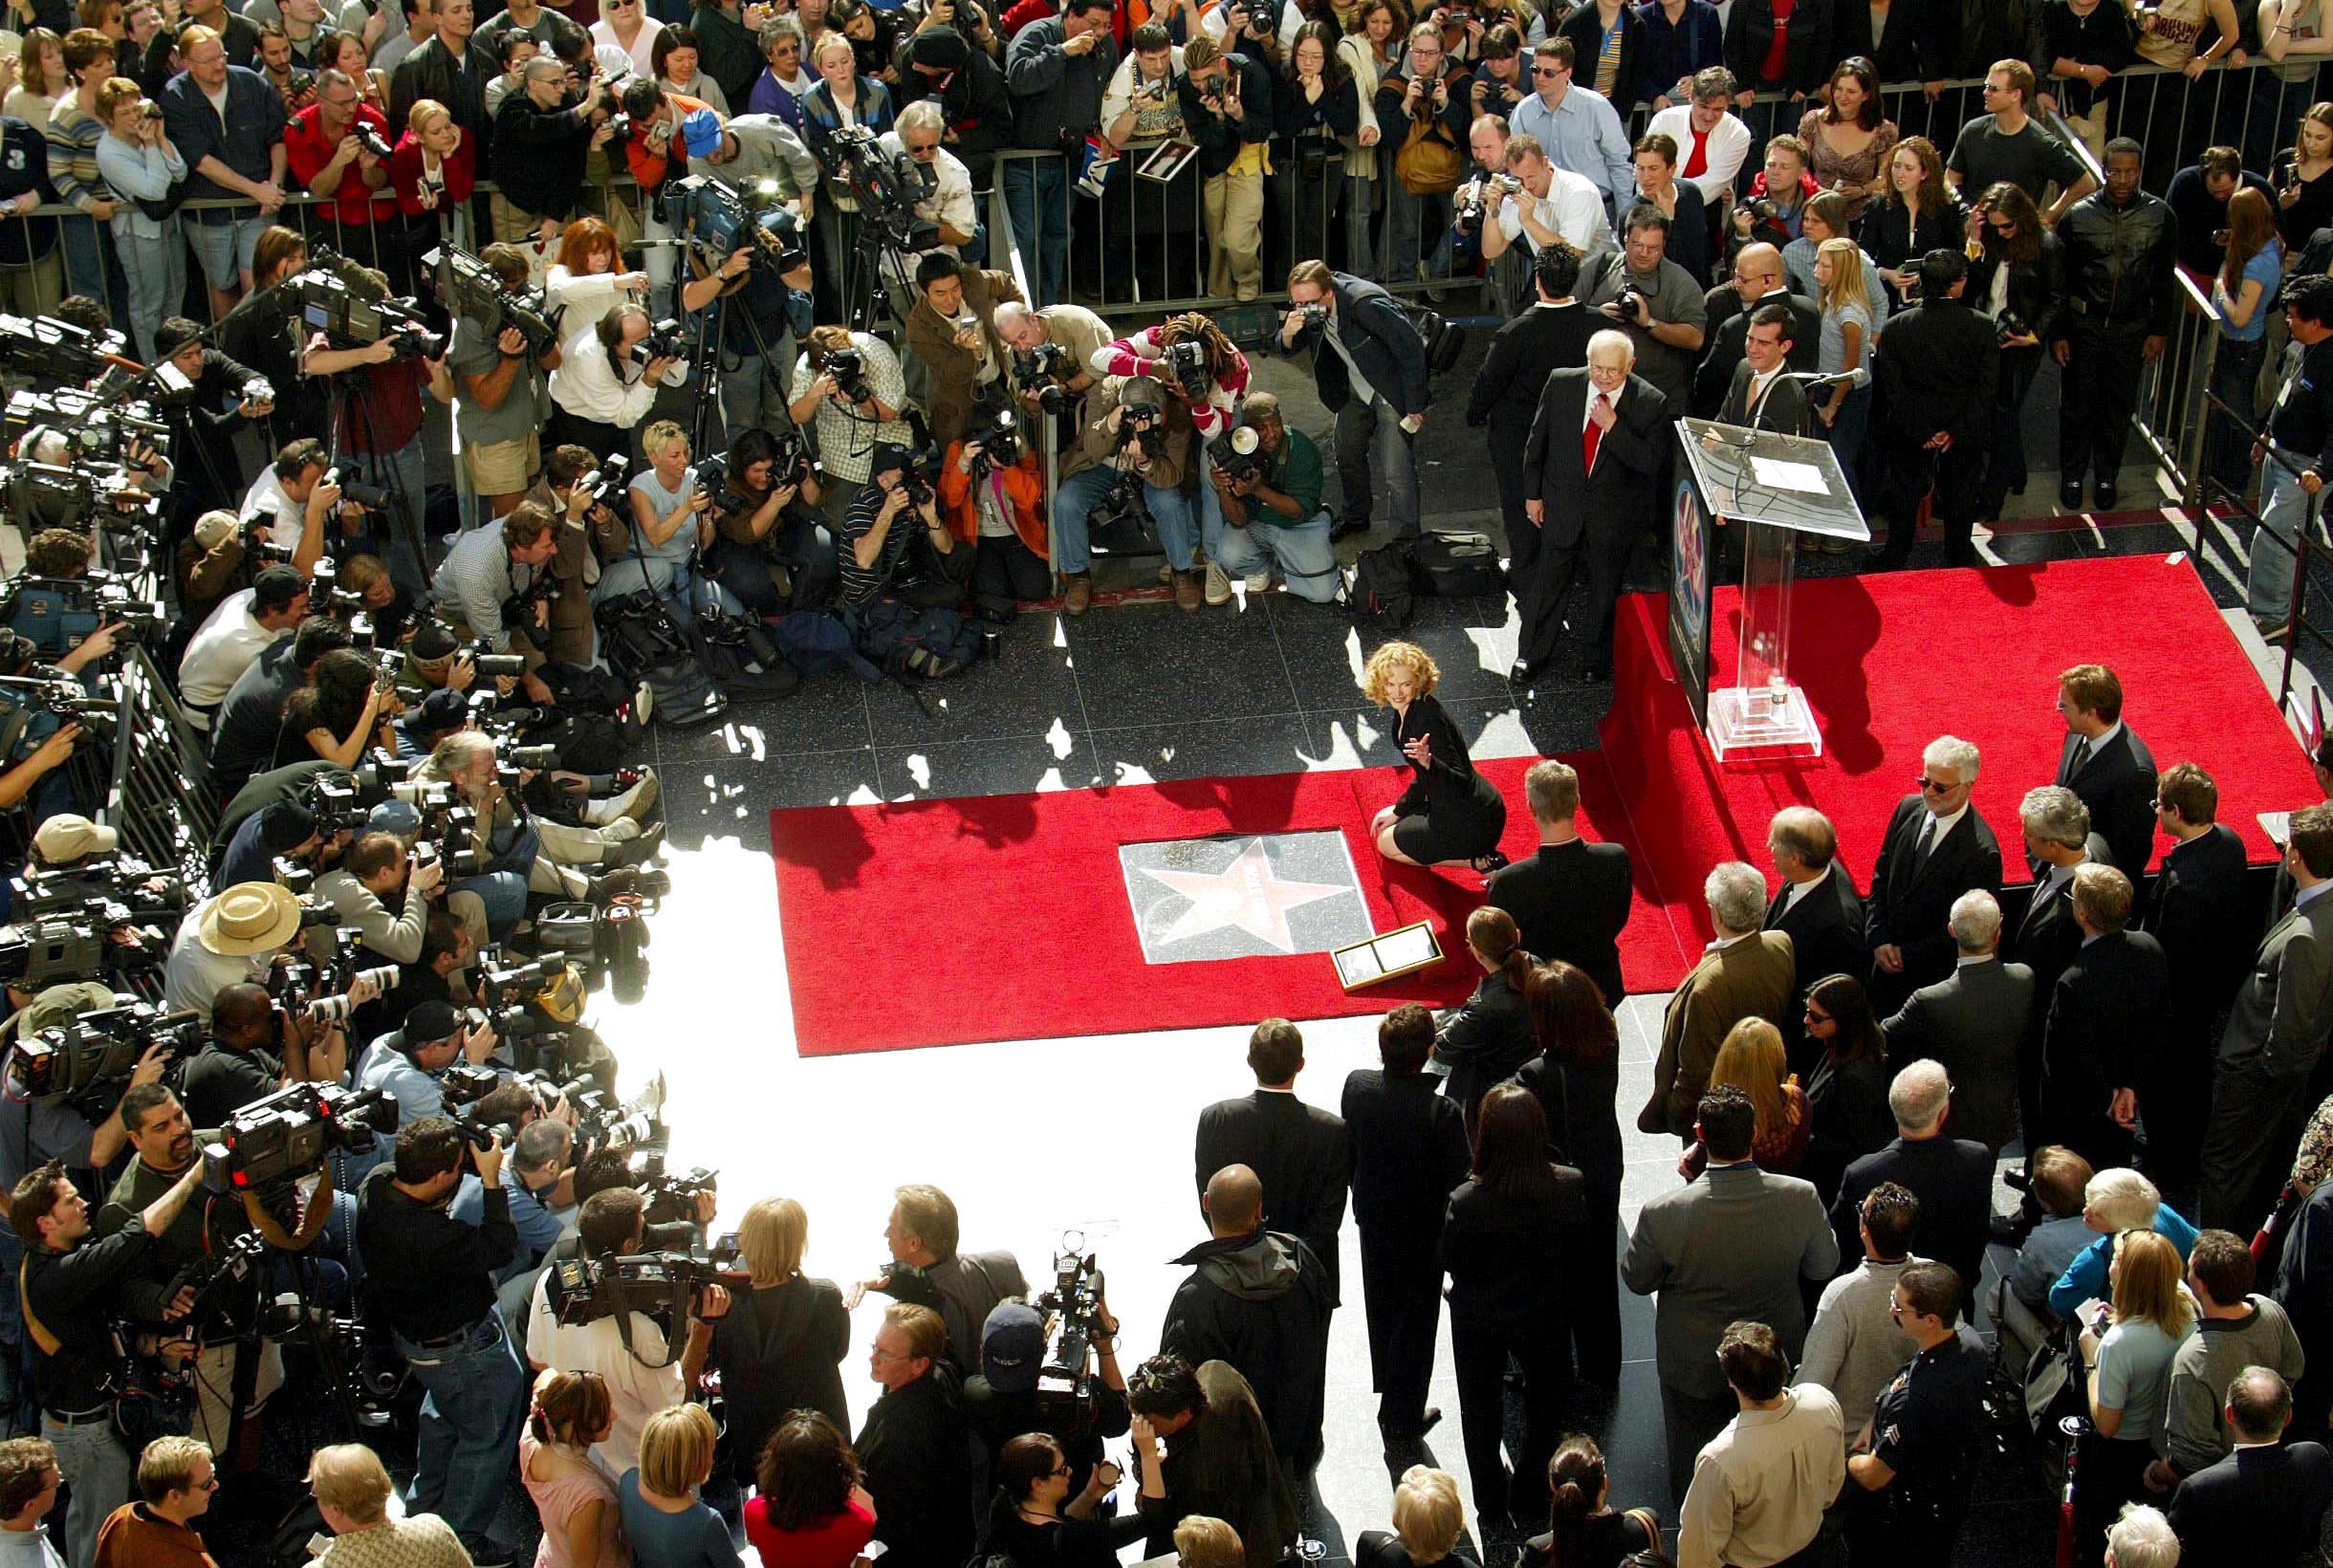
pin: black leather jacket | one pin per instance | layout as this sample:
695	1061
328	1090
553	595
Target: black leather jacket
2118	265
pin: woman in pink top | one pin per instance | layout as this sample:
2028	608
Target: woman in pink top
808	1509
581	1528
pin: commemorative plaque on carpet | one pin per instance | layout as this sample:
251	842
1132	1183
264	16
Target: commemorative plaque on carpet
1244	895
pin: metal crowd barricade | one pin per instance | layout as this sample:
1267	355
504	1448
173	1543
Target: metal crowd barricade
159	797
2308	544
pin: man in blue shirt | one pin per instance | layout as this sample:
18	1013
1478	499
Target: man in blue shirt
410	1065
229	123
1578	130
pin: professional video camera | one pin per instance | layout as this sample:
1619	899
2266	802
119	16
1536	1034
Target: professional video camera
39	701
467	286
57	613
717	220
94	430
671	1196
888	185
86	1062
660	1286
1185	363
1239	453
349	320
1046	370
45	349
662	343
289	1133
1073	1310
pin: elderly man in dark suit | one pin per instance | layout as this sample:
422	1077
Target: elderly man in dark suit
1817	908
2275	1036
1589	469
2109	766
1405	1148
2207	920
2108	1018
1369	369
1735	1243
1762	394
1570	900
2056	826
1551	336
1972	1024
2265	1502
1745	973
1759	278
1296	1150
1951	1177
1934	370
1937	847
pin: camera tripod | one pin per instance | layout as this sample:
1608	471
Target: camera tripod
356	412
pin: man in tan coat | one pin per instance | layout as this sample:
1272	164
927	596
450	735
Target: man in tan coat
953	330
1746	974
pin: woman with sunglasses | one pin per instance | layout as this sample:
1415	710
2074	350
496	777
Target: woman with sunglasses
1846	1094
2017	275
1035	1521
627	25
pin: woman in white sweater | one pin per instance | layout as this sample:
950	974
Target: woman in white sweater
139	164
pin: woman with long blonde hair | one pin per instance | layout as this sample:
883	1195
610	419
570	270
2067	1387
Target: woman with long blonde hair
1847	335
2127	1348
1752	1058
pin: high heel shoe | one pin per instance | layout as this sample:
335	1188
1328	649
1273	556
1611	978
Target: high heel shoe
1485	864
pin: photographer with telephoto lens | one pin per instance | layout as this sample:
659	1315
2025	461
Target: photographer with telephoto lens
774	552
490	570
608	376
431	1281
409	1064
849	386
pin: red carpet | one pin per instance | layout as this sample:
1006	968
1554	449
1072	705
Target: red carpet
1890	661
1005	917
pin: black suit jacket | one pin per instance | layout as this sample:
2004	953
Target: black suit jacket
1570	901
1916	46
1909	908
1951	1177
2045	941
1405	1148
1935	369
1296	1150
1523	354
1384	342
1728	326
1826	937
2108	1019
2117	782
1782	409
2208	921
1617	498
2255	1507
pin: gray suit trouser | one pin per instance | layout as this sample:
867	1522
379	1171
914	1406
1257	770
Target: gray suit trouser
1691	1422
2257	1118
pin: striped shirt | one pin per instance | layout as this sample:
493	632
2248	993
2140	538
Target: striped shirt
73	154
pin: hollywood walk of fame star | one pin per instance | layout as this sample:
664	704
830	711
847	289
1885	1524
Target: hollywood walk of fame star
1246	894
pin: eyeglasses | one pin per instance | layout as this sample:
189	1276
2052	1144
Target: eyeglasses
883	1355
1928	786
1546	71
1813	1016
211	1484
1063	1471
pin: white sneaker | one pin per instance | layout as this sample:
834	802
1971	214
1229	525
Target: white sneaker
1259	582
1167	574
632	804
644	703
1218	586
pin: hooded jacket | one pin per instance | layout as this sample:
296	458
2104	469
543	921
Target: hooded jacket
1262	1303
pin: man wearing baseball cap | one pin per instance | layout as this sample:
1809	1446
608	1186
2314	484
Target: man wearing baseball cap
1001	1402
894	543
410	1063
744	151
66	839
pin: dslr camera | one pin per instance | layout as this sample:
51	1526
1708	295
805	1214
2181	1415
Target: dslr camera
662	343
1000	437
1239	453
1186	365
848	366
1045	370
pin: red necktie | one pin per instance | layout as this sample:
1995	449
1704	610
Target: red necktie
1588	438
1696	161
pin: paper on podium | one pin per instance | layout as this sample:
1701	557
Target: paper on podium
1779	473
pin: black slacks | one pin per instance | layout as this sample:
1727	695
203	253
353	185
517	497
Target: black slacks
1401	1291
1592	1291
1601	552
2101	389
1508	434
2256	1116
1481	1341
1689	1421
1958	478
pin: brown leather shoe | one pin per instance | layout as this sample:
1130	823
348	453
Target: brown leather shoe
1077	591
1186	592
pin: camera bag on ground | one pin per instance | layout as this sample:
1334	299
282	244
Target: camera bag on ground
931	645
1457	565
741	658
577	689
645	644
1382	595
815	642
1445	340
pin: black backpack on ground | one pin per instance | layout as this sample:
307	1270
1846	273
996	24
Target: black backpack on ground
741	658
645	646
1457	565
1382	596
930	644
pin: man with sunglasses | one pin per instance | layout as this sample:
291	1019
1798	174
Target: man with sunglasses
1580	131
1937	847
176	1481
1910	1470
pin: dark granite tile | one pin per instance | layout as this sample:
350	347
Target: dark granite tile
711	799
1005	765
1471	641
1145	664
1364	736
827	713
1028	691
1278	744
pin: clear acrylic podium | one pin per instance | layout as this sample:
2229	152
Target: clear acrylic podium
1773	488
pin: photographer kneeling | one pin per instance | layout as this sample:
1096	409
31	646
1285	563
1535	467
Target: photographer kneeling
631	1350
895	545
607	377
432	1283
493	570
409	1064
368	876
774	552
590	534
508	840
849	384
669	533
1269	496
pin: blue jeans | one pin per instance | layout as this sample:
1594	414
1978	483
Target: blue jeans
1373	430
2235	370
476	1395
86	266
98	1467
1408	218
1301	551
157	274
1037	193
2268	585
503	893
1075	499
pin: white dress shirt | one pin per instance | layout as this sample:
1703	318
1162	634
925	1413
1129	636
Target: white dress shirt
1573	207
587	385
1729	146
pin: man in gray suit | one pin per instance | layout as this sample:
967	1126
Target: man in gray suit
1972	1023
1732	1245
2273	1038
